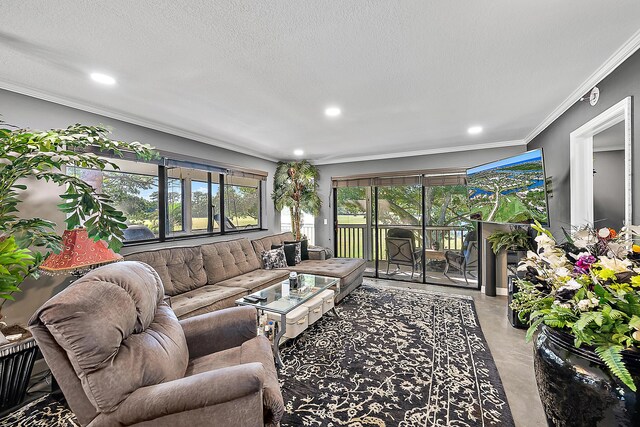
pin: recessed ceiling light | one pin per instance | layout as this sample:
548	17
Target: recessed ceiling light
332	111
298	152
103	79
474	130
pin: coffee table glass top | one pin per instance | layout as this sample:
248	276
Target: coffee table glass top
309	285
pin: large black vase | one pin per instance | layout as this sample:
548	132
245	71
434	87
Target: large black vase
577	389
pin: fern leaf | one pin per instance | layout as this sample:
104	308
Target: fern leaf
584	320
612	357
533	328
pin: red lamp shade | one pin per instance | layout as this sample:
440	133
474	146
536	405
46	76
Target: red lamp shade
79	253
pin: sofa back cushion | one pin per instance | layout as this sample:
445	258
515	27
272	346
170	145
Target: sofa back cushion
181	269
265	243
116	331
224	260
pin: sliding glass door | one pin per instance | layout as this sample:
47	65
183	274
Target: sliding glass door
399	224
451	247
409	228
354	224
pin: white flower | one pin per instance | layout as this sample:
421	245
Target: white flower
604	232
583	305
634	229
586	304
544	241
562	304
617	265
617	250
583	238
572	285
562	272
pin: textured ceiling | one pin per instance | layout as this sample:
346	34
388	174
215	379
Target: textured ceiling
256	75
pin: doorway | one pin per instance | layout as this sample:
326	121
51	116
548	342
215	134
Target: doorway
603	143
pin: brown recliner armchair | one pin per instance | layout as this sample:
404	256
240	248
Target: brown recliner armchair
121	357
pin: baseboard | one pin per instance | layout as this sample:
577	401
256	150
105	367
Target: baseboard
499	291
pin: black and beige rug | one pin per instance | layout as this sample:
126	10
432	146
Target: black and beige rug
395	357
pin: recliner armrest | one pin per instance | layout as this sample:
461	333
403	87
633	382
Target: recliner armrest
220	330
191	393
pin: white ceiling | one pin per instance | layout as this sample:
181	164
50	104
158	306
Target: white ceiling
255	76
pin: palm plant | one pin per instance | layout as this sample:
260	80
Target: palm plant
295	186
27	154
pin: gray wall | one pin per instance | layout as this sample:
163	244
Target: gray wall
608	188
623	82
41	199
324	233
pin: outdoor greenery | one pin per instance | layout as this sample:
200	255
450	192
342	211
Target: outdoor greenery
516	239
589	287
42	155
295	186
444	205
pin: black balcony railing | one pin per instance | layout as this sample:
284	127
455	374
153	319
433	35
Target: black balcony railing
354	243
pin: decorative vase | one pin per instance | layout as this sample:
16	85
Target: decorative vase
577	389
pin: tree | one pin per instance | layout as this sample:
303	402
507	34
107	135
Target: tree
41	155
295	186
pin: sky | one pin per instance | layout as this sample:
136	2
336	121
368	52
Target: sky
520	158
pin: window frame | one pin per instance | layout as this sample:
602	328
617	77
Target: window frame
203	233
258	227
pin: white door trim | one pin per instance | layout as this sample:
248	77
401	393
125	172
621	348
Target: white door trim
581	159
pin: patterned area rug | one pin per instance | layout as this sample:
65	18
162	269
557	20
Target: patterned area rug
47	411
397	357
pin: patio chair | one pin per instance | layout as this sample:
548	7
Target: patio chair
465	259
401	250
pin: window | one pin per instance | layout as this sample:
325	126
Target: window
194	200
134	189
242	203
188	201
199	205
175	206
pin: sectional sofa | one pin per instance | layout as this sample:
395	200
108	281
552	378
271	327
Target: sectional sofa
210	277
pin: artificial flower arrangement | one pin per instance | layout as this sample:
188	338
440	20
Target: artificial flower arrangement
589	287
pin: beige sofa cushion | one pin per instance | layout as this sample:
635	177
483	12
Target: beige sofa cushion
339	268
264	244
224	260
181	269
205	299
256	280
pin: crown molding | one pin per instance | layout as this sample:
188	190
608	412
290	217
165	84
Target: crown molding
129	118
618	57
430	151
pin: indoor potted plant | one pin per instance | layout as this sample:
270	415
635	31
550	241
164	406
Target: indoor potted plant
516	240
25	242
584	297
295	186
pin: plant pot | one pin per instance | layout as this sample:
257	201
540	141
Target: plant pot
16	364
577	389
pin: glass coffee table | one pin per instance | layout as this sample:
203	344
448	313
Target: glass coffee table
272	300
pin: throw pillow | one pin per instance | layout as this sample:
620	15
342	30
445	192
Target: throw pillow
289	253
304	248
274	258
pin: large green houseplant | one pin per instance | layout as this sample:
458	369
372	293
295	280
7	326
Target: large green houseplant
42	156
515	239
295	186
583	295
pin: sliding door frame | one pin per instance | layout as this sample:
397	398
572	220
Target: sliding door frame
376	236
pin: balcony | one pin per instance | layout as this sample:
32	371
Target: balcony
354	242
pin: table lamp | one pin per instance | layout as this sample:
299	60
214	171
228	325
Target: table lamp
79	254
